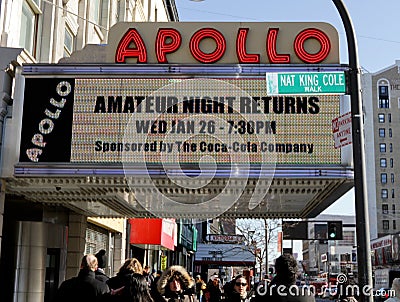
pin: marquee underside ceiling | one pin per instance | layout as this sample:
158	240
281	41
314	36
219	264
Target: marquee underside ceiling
111	196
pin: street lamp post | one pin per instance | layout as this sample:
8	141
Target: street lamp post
361	207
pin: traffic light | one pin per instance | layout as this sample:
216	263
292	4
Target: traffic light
335	230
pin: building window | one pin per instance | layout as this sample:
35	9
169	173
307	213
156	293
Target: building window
97	4
392	178
383	163
390	132
382	147
389	117
390	147
392	193
385	209
29	24
385	224
100	12
381	117
383	178
383	94
391	163
68	42
381	132
394	224
384	193
393	209
383	103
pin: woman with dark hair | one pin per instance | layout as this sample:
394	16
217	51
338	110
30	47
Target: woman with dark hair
236	290
136	289
175	285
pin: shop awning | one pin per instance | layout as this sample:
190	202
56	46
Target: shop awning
153	233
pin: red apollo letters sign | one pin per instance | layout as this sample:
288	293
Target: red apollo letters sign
224	43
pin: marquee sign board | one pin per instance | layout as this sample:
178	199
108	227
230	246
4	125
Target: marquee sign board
222	43
187	93
164	120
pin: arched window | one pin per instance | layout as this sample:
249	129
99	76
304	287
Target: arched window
383	94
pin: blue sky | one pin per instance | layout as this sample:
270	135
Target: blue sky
375	22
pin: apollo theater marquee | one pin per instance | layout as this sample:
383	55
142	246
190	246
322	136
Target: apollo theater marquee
174	120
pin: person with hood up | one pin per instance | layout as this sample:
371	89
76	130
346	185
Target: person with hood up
396	289
175	285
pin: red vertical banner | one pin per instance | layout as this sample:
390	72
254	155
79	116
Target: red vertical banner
280	238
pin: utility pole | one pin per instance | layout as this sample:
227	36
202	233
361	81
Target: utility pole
361	197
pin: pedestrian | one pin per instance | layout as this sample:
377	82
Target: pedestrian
283	286
396	289
200	286
175	285
102	263
155	294
213	290
84	287
148	275
130	266
346	291
237	290
135	289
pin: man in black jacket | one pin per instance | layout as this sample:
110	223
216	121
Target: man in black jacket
283	287
84	287
101	265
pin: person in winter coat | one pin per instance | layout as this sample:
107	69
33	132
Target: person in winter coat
136	289
236	290
283	286
200	287
130	266
102	262
175	285
396	289
84	287
155	294
213	290
346	291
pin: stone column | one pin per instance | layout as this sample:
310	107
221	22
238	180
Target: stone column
76	243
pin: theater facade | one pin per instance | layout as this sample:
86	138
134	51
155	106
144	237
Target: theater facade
174	120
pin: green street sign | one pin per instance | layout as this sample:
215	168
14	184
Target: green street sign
279	83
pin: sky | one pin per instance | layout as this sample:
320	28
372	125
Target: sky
374	23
